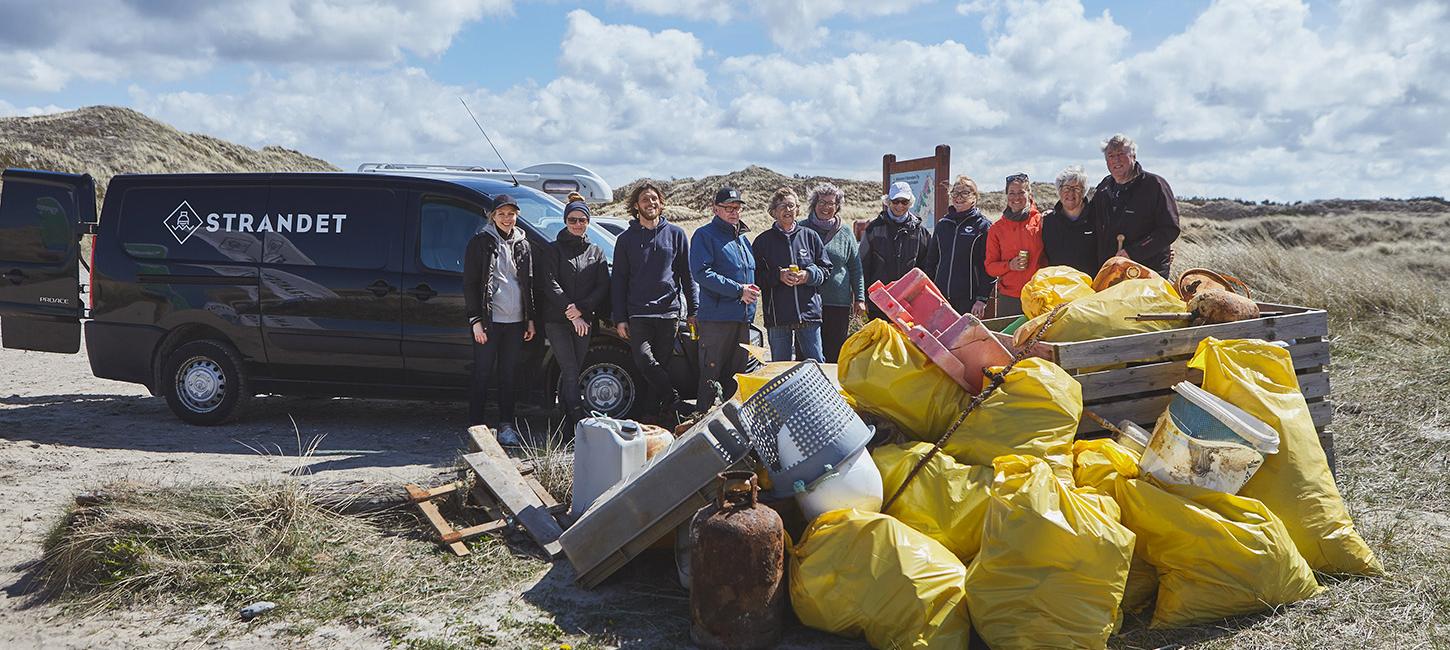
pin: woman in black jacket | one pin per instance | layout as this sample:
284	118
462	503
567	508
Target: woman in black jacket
573	287
498	295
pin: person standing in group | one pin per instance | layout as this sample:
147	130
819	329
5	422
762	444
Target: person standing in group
843	294
894	242
1014	245
498	297
1067	237
956	260
573	285
1136	204
651	272
724	268
793	264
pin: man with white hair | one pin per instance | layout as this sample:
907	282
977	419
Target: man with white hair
1137	205
894	242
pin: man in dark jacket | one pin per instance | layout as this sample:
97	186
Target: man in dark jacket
1137	205
724	268
573	283
894	242
651	270
956	258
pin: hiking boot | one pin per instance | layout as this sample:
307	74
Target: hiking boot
508	436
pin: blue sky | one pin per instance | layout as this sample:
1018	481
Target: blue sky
1281	99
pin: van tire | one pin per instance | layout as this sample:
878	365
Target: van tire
610	382
204	383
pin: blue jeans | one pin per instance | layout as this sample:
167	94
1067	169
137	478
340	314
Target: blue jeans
784	341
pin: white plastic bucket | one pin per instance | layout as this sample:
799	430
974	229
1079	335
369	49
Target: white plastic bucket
1205	441
856	483
606	450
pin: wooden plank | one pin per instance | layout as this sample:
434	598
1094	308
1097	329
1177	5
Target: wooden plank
430	512
1151	346
543	494
1145	411
497	472
1125	382
474	531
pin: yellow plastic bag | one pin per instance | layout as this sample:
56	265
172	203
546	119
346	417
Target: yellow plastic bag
1053	285
1296	482
856	573
1096	466
946	501
1110	313
1217	555
750	383
1035	412
1052	566
884	373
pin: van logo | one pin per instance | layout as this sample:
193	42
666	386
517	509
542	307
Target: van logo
55	301
183	222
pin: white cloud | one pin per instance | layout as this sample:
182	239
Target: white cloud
791	24
1252	99
10	110
168	40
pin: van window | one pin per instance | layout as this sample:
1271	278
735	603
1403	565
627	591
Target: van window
190	223
35	222
547	219
335	227
447	228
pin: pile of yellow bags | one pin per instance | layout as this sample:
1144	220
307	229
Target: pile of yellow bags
1109	313
1041	541
1051	286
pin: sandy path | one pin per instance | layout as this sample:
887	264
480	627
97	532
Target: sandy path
63	431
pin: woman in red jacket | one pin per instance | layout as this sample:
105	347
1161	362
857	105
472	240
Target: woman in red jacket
1014	245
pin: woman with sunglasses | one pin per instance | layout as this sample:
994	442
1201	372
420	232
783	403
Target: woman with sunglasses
959	250
573	287
894	242
1014	245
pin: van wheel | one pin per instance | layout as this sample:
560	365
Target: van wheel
203	382
610	382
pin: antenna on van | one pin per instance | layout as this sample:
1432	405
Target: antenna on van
490	142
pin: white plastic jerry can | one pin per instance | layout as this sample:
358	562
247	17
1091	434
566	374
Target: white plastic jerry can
606	451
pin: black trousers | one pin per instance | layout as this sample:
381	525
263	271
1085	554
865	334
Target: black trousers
835	322
720	358
499	357
569	350
652	341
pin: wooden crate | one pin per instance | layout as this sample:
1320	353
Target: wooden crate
1142	368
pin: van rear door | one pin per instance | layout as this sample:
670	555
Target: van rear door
41	216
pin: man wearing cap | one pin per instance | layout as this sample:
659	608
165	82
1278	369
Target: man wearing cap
651	271
723	266
894	242
1136	205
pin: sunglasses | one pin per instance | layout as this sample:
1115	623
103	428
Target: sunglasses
1020	177
901	201
576	219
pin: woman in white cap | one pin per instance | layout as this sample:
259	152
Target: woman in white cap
894	242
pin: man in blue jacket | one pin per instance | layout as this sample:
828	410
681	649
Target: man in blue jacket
651	270
724	267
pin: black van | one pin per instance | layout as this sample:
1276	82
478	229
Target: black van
211	288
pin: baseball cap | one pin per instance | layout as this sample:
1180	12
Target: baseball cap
729	194
901	190
503	200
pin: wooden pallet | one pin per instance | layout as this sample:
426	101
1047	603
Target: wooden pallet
448	535
1131	377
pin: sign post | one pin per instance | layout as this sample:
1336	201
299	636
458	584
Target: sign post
925	176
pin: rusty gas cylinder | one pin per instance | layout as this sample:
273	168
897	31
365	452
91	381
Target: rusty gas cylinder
737	569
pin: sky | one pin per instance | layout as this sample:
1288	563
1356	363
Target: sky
1254	99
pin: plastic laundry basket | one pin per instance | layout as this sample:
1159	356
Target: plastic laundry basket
801	427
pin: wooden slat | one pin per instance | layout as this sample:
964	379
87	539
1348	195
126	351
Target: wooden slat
1145	411
430	512
1166	344
497	472
474	531
1148	378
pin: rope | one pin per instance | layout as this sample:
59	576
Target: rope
995	380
